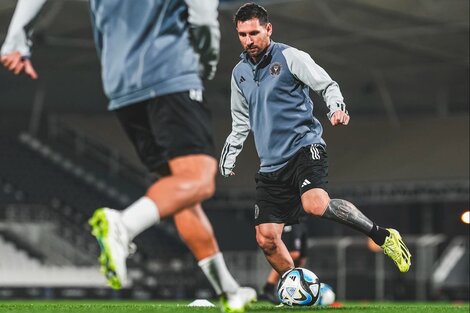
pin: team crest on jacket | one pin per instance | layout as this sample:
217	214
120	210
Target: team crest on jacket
275	69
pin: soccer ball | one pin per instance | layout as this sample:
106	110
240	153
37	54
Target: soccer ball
299	286
327	295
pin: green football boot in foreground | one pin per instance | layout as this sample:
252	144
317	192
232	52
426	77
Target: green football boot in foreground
239	301
107	227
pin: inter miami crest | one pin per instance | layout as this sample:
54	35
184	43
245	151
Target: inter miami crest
275	69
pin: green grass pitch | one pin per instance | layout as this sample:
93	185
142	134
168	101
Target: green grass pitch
84	306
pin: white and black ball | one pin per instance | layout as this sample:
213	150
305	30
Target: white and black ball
327	295
299	286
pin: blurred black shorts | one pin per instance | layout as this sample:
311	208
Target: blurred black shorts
278	193
295	238
167	127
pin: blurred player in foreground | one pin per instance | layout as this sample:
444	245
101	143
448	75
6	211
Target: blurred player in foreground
154	56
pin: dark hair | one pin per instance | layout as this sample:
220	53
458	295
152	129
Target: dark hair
249	11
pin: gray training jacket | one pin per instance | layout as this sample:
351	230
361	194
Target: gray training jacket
147	48
272	99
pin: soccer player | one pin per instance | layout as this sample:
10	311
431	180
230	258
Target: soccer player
154	56
270	96
295	238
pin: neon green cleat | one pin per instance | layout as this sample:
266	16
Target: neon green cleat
113	240
395	248
239	301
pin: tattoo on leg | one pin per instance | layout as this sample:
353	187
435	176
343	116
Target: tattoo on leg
345	212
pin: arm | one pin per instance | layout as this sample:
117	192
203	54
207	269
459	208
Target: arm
16	49
302	66
205	33
240	129
97	35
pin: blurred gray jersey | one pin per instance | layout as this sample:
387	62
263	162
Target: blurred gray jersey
147	48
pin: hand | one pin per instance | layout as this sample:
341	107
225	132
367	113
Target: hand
339	118
205	40
209	70
16	63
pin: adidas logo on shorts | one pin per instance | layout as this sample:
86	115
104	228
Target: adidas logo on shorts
305	183
195	95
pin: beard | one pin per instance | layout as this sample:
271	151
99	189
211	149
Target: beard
252	50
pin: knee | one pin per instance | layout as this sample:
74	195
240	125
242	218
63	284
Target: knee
315	201
200	187
267	243
200	183
207	181
206	189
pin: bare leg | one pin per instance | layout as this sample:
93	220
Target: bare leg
191	181
273	276
196	231
270	288
269	240
317	202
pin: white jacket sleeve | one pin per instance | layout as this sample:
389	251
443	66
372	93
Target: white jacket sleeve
205	33
240	130
19	33
302	66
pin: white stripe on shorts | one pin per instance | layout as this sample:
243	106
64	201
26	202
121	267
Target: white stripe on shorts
315	152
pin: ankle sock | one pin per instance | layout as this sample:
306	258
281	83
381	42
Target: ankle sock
218	275
139	216
378	234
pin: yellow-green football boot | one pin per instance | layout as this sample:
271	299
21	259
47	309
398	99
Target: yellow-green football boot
395	248
107	227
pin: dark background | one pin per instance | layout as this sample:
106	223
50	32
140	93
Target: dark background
403	68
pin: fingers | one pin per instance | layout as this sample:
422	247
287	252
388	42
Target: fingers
29	69
10	58
15	63
340	118
18	68
334	120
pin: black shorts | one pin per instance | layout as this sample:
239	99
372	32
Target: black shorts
166	127
295	238
278	193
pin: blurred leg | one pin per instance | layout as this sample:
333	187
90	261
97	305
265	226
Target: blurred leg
196	231
191	181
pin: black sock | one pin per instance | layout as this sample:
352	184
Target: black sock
269	292
269	287
378	234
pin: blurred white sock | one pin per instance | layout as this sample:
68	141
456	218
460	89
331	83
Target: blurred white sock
139	216
218	275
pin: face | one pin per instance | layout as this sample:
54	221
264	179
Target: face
253	36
